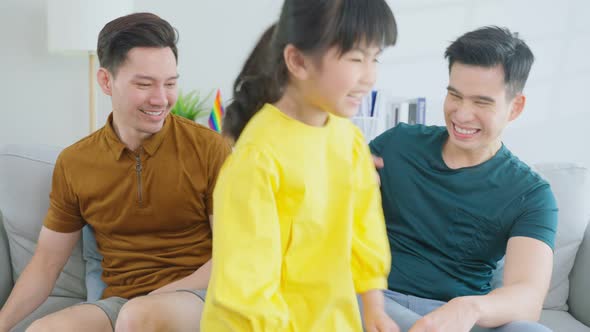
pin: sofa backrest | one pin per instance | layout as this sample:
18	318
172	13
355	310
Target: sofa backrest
571	186
25	183
6	281
579	300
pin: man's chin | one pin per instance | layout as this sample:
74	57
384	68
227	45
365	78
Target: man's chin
152	128
463	145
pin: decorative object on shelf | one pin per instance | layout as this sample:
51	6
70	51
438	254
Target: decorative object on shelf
379	111
73	27
191	105
216	113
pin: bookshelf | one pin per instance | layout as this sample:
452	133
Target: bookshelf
381	110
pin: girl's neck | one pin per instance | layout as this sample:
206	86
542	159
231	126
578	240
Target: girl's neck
293	104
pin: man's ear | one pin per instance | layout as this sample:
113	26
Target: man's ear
517	106
105	80
297	63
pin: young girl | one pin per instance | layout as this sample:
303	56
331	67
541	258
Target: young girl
298	224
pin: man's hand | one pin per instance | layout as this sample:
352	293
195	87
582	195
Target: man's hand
459	315
378	161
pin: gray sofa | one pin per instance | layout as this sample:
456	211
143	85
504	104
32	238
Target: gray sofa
25	181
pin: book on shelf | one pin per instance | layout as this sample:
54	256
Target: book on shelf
416	111
380	111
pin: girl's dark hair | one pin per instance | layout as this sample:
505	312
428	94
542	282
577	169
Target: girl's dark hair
247	87
122	34
312	26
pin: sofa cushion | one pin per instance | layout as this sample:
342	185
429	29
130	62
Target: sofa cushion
579	300
94	284
570	184
559	321
25	182
6	281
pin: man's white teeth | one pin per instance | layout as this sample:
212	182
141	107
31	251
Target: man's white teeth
153	113
465	131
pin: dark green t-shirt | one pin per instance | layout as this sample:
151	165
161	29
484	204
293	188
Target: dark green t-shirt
448	228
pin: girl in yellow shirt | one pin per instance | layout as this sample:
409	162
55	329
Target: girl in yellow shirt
299	227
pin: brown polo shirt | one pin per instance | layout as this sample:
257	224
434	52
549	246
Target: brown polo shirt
149	208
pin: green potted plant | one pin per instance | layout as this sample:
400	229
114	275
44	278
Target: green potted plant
191	105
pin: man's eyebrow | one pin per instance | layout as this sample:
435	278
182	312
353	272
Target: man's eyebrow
143	77
484	98
147	77
481	98
453	90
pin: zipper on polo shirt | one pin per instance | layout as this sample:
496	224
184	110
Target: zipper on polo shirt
138	169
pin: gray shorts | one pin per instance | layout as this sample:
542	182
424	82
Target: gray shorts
112	305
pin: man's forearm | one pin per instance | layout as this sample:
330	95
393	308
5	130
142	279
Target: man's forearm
30	291
508	304
197	280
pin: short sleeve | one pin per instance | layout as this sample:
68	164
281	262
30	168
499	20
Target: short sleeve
64	214
376	145
539	217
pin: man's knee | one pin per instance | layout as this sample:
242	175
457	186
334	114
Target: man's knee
49	323
136	315
40	325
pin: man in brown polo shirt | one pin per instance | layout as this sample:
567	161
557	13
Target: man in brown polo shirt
144	182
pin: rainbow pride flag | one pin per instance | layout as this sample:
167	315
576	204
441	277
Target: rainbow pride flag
216	113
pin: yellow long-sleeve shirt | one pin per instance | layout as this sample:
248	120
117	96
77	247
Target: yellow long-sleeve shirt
298	229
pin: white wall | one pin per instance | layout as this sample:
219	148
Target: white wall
44	96
553	126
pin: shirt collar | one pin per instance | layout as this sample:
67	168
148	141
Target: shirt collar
150	145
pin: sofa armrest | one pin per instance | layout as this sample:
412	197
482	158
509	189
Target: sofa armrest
6	281
579	297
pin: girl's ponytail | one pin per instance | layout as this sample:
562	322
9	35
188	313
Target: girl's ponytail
259	82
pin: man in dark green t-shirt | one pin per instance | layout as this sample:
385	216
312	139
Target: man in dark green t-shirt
456	201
